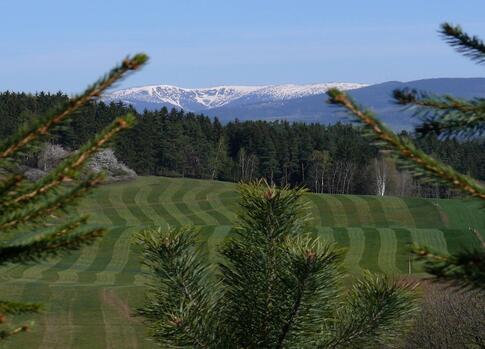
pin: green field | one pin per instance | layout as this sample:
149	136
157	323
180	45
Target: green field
90	295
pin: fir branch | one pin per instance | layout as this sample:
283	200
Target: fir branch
413	158
9	184
4	334
69	168
470	46
17	308
464	269
445	115
44	124
33	212
50	245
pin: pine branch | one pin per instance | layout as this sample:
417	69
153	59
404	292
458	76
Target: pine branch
62	240
316	270
469	46
43	125
412	158
181	305
446	115
376	311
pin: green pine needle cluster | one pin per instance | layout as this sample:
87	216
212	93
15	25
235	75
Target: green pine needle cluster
34	219
445	116
274	285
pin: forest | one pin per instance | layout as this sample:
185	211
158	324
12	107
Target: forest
335	159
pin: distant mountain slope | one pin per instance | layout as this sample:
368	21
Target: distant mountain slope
292	102
201	99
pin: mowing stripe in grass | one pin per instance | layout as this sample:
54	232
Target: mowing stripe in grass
215	239
325	234
85	259
341	237
130	274
205	203
460	239
379	218
339	214
119	257
128	197
179	198
225	208
425	213
432	238
397	213
66	262
118	322
403	253
88	324
124	209
34	292
370	255
194	198
58	319
356	249
105	202
229	199
103	257
387	251
322	210
349	210
92	207
363	213
156	193
142	201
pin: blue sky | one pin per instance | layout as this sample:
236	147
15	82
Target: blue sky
65	45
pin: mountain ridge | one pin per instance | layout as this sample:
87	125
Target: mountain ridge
293	102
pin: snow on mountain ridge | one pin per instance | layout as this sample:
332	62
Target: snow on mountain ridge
211	97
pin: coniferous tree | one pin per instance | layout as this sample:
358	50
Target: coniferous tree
442	116
32	223
274	286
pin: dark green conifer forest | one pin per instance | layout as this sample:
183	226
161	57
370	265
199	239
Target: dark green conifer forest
325	158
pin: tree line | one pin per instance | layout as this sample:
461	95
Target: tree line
325	158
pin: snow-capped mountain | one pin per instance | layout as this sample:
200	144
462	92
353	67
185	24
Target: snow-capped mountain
201	99
307	103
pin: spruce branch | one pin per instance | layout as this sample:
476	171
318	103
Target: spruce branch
413	158
43	125
469	46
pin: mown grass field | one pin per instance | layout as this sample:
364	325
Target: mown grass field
89	296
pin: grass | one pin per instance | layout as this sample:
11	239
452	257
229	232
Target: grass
90	295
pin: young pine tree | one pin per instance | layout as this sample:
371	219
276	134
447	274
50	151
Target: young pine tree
30	212
445	116
274	285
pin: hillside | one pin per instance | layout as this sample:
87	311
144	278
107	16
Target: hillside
90	295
